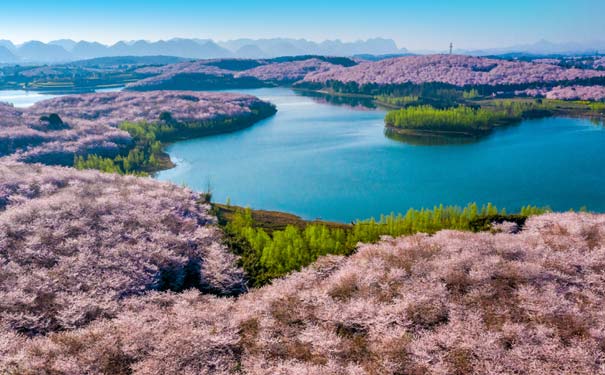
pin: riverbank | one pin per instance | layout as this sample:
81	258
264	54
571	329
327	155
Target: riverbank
333	162
148	155
443	134
503	111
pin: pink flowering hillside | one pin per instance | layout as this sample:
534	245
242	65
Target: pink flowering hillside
88	123
451	69
204	74
289	71
528	302
25	135
570	93
75	244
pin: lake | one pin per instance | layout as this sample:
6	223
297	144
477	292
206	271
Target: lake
319	160
24	99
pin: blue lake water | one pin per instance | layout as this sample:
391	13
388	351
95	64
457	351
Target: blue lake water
320	160
23	98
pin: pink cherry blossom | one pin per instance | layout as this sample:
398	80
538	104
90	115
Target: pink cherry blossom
594	93
74	244
92	121
453	69
489	303
266	71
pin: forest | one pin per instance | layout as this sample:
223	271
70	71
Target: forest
457	119
475	119
267	253
145	156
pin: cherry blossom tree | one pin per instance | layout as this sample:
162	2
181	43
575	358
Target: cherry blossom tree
457	70
91	120
510	301
74	244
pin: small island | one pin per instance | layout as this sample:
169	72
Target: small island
456	121
452	97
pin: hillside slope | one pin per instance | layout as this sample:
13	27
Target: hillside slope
74	244
456	70
235	73
452	303
88	123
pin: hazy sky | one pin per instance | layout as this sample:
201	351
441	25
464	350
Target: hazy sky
430	24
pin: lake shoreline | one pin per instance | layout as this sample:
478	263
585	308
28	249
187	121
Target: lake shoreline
166	163
436	133
327	157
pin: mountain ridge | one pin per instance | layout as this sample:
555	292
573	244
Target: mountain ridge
66	50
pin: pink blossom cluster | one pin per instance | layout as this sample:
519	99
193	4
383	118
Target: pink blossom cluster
593	93
451	303
599	63
92	120
266	71
112	108
287	71
453	69
74	244
198	66
25	136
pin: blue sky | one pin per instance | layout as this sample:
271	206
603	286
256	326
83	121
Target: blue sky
416	25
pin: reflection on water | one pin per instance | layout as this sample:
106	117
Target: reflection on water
349	101
429	139
24	98
320	160
597	121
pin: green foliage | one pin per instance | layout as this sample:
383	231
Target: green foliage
130	164
146	154
269	255
107	165
524	109
466	119
471	94
451	119
398	101
597	106
141	159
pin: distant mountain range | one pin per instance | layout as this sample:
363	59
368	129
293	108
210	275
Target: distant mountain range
65	50
542	47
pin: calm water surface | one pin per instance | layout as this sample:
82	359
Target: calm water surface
334	162
24	99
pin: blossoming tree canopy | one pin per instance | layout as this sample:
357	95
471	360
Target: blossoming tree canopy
455	302
90	121
456	70
236	72
73	244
